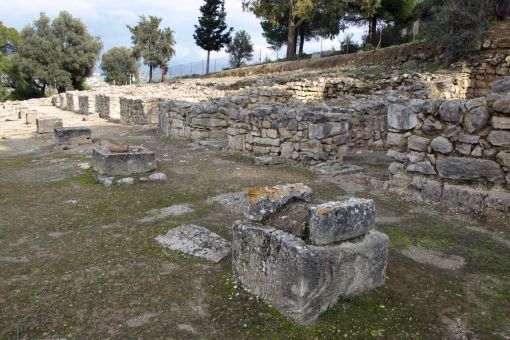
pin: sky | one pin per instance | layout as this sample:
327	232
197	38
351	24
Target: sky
108	19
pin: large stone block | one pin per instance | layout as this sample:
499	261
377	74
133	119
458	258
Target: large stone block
451	110
301	280
418	143
338	221
464	197
468	168
499	138
476	119
501	86
263	201
111	163
48	124
502	123
72	135
442	145
502	105
402	117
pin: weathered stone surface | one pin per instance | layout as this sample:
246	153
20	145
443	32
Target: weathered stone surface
235	201
72	135
338	221
468	168
502	123
476	119
469	139
197	241
126	181
48	124
451	110
401	117
502	105
111	163
395	167
501	86
301	280
396	139
432	190
418	143
434	258
424	167
504	158
442	145
498	201
464	197
336	169
174	210
158	176
263	201
499	138
464	149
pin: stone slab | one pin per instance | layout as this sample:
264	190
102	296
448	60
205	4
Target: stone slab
301	280
332	222
197	241
48	124
111	163
468	168
72	135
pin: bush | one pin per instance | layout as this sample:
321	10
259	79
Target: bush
459	25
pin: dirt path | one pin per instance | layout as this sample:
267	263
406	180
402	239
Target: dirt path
76	263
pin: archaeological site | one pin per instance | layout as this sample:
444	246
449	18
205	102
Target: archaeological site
353	196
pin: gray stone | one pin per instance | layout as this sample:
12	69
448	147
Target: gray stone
431	125
476	119
287	149
235	201
396	139
72	135
464	149
498	201
402	117
106	181
502	123
111	163
499	138
432	190
504	158
158	176
197	241
174	210
126	181
442	145
424	167
475	102
501	86
469	139
463	197
451	110
502	105
433	258
312	146
477	151
418	143
395	167
336	169
264	201
339	221
48	124
301	280
468	168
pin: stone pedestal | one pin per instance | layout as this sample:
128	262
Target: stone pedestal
48	124
72	135
111	163
31	116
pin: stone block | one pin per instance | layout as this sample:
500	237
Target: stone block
402	117
451	110
503	158
31	116
424	168
502	123
263	201
48	124
476	119
72	135
301	280
111	163
501	86
468	168
499	138
464	197
502	105
418	143
396	139
339	221
442	145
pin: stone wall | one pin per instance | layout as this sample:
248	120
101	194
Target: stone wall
456	152
139	111
86	104
102	106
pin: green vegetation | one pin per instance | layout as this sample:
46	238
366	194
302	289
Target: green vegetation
240	49
154	45
212	33
119	66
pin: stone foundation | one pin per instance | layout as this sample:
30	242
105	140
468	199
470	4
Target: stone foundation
48	124
72	135
110	163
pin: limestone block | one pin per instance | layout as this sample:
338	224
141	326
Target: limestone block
501	86
111	163
31	116
504	158
48	124
457	196
424	168
442	145
468	168
263	201
418	143
339	221
469	139
476	119
451	110
464	149
396	139
499	138
502	105
72	135
498	200
401	117
502	123
301	280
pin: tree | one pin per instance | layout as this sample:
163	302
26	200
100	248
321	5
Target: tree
154	45
119	65
303	18
240	49
9	40
212	32
458	24
60	53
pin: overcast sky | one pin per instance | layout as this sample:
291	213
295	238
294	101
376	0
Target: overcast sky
108	19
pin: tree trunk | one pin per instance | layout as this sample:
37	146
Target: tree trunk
372	30
43	90
292	37
208	60
61	89
301	41
150	73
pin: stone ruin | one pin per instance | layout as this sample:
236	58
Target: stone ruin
302	274
129	160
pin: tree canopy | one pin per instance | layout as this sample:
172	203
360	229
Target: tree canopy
119	65
212	32
154	45
240	49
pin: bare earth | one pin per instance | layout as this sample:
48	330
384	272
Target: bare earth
75	262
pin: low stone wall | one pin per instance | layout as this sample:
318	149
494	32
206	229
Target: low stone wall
86	104
102	105
139	111
456	152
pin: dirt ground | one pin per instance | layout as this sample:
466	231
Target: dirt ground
76	263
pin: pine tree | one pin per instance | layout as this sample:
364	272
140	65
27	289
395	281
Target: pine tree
212	32
240	49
